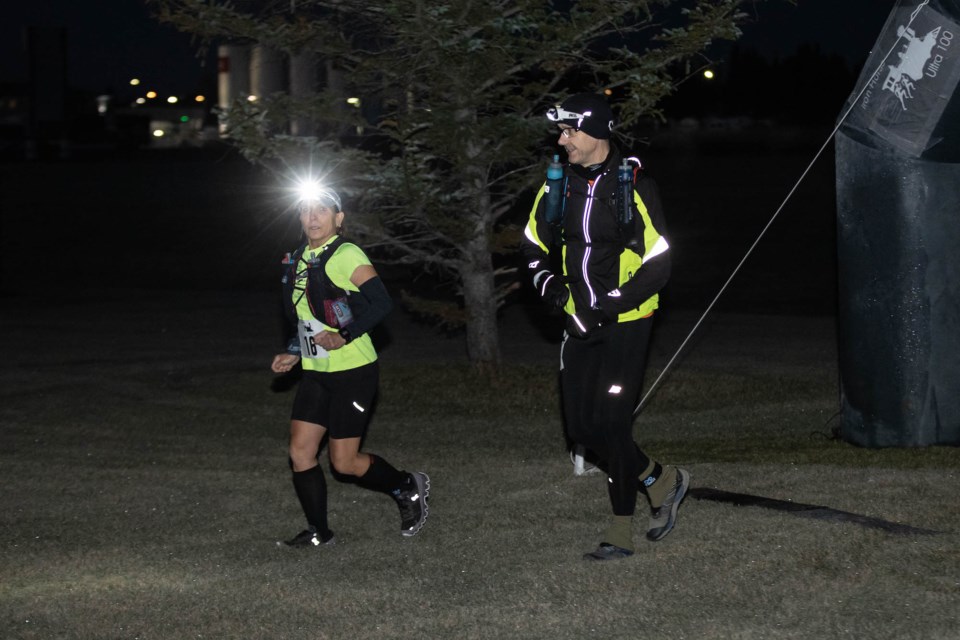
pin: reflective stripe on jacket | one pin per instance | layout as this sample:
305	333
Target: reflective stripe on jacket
599	267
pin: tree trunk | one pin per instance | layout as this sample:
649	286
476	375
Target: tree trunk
479	287
483	341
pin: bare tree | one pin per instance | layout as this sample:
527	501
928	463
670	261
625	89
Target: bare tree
453	97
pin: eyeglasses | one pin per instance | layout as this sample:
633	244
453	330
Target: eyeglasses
568	132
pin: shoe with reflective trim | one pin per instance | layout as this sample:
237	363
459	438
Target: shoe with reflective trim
663	519
308	538
607	551
413	503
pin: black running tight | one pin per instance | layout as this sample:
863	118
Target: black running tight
600	379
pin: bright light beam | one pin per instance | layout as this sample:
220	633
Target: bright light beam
312	191
309	190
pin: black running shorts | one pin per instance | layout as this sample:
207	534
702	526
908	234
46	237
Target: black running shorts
341	401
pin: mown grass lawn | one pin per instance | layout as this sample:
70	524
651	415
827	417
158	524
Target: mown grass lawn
143	466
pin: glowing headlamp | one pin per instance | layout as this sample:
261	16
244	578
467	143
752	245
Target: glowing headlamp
310	192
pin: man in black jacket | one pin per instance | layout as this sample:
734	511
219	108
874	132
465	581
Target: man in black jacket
608	227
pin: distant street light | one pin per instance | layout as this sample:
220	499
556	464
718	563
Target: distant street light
151	94
172	99
134	81
708	74
200	98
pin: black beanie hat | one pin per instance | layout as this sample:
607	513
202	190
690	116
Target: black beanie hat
587	112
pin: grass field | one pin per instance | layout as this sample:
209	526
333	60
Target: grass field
144	484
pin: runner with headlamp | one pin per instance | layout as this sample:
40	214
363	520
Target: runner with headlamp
608	227
335	297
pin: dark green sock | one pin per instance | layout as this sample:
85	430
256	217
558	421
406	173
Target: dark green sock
658	491
620	533
650	475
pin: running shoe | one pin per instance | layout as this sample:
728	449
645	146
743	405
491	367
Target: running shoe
412	502
308	538
607	551
663	518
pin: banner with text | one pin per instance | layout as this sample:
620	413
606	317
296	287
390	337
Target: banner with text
909	78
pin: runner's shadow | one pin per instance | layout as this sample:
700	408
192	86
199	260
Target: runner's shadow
806	510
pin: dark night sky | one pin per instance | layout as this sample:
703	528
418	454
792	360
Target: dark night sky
845	27
111	41
108	42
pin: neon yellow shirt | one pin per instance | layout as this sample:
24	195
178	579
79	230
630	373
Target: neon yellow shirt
339	268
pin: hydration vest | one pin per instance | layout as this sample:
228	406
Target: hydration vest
328	303
623	204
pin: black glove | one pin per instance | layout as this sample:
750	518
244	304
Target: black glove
582	323
552	289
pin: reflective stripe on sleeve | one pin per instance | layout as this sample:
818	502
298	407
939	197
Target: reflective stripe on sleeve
660	246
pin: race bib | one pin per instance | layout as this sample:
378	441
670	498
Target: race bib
307	329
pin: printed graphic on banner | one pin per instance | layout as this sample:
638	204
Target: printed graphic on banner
910	77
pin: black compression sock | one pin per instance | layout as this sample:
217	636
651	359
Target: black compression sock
311	488
382	476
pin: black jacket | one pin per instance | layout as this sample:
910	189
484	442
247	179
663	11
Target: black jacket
606	264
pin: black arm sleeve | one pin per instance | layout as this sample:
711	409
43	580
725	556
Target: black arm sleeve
378	305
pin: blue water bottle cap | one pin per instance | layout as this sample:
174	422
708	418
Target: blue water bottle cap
555	170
